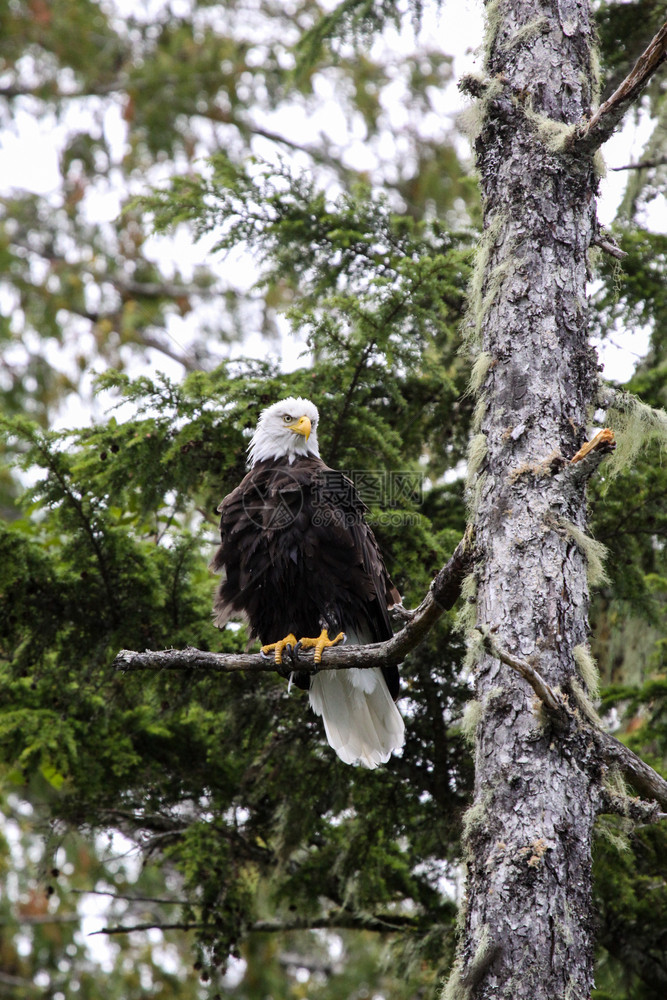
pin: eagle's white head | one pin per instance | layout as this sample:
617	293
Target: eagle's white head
287	429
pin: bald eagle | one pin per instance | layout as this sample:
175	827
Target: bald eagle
299	562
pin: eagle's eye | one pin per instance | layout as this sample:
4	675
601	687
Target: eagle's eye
287	419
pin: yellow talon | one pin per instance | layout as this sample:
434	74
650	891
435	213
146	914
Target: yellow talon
321	643
289	640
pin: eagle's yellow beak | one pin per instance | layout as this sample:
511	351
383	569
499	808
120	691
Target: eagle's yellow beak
301	426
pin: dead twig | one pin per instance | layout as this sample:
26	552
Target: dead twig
603	441
610	246
550	698
608	750
599	128
643	164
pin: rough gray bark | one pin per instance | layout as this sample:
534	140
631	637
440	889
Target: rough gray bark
528	834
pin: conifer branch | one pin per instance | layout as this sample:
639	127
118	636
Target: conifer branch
343	919
151	925
442	595
601	126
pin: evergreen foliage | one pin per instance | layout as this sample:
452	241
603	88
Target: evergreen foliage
251	833
113	556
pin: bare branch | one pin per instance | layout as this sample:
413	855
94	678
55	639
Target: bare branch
150	926
586	461
189	359
636	771
44	92
583	468
643	164
610	246
342	919
550	698
641	812
608	749
442	596
600	127
602	442
198	659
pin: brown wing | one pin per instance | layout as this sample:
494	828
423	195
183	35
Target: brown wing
298	555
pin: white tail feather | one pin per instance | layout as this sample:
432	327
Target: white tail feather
360	718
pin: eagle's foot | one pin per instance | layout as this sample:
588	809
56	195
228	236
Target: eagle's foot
321	643
278	648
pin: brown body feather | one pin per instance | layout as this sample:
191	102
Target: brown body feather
297	556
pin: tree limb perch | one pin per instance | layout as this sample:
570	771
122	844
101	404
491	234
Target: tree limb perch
611	247
442	596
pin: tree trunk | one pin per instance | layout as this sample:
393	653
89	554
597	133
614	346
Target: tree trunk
528	834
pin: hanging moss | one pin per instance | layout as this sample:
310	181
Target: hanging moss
471	715
459	986
584	703
474	650
478	414
483	286
594	552
476	455
471	120
596	74
492	24
556	136
473	495
635	426
588	670
467	614
479	372
526	33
